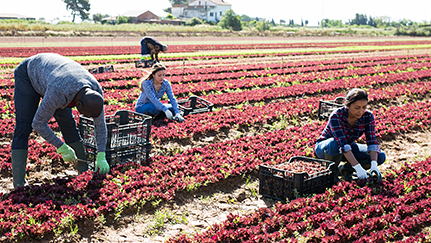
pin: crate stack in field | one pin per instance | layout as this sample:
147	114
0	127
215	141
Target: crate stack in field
128	137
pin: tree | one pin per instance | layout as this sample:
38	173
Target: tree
382	22
262	25
123	19
193	21
282	22
78	7
170	16
97	18
371	22
291	22
245	18
230	20
306	22
328	23
360	19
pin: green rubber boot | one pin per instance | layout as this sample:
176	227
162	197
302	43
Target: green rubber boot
19	162
336	159
80	166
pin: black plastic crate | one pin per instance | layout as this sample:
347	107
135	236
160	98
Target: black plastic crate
194	105
102	69
327	107
115	157
128	137
144	63
281	184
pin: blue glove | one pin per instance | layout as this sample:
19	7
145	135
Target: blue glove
67	153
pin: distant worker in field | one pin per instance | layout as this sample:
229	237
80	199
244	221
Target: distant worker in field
153	87
61	83
345	126
152	47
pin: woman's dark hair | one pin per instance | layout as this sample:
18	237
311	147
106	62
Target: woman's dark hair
354	95
154	69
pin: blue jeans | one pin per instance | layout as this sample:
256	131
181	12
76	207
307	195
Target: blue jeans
151	109
26	104
359	151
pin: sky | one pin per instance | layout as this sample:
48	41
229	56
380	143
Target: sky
311	10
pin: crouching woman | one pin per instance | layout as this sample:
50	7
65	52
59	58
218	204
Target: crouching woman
153	87
337	141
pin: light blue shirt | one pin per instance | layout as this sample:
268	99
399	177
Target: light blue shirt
149	94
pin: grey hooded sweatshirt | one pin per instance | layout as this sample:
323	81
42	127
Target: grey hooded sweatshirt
58	79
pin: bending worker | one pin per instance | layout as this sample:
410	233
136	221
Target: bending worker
151	46
62	84
337	141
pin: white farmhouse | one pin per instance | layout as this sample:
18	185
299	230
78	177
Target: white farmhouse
210	10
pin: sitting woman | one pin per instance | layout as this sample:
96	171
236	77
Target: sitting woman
153	87
345	126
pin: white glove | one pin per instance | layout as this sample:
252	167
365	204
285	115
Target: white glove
168	114
179	118
362	174
375	169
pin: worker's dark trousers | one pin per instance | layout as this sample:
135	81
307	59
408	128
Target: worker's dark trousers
26	103
144	49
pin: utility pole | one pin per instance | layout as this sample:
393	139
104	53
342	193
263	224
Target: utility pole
206	11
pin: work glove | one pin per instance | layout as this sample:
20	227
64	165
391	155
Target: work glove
375	169
101	164
168	114
360	172
67	153
179	118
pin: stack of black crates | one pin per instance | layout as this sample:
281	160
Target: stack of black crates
128	137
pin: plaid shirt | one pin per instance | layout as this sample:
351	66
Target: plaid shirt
338	127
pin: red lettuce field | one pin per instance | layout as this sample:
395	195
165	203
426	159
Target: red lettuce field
265	111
